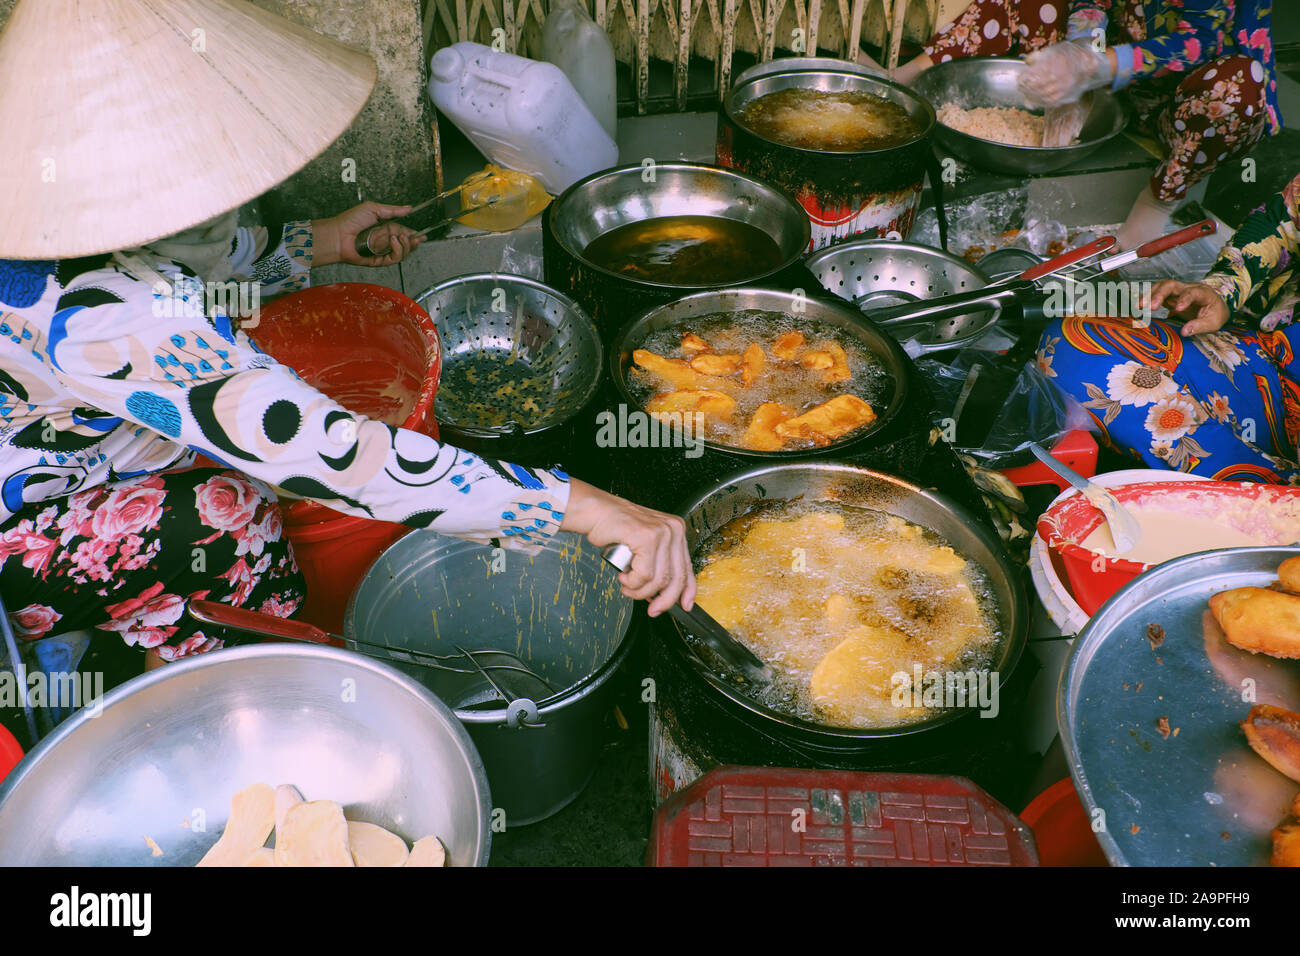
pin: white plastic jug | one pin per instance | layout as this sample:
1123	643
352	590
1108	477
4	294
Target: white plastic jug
573	42
520	113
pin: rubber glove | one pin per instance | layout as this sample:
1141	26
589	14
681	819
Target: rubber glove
1063	72
1061	124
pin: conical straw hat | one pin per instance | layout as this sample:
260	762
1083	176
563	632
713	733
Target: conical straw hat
123	121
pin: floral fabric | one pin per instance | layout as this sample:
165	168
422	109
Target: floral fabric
124	558
1225	404
1200	74
1258	271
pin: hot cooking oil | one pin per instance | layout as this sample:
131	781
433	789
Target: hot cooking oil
686	250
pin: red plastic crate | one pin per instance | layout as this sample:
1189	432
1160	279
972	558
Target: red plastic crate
778	816
1077	449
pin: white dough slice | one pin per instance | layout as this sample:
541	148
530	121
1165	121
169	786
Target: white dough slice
372	845
262	856
314	834
252	817
286	798
427	851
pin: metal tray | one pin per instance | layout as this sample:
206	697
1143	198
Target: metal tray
1200	797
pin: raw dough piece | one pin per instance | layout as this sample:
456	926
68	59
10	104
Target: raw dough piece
314	834
252	817
1259	620
427	851
286	798
372	845
262	856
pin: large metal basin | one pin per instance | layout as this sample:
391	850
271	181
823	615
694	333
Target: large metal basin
175	744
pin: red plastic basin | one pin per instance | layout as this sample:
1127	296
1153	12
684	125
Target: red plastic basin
376	352
1095	577
1062	828
10	752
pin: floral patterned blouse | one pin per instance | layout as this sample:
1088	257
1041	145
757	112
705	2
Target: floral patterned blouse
103	377
1183	34
1258	272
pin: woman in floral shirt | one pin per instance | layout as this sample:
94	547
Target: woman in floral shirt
117	370
1199	75
1220	395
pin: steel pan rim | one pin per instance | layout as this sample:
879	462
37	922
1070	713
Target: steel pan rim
896	368
775	193
572	308
445	715
1017	616
865	81
1100	627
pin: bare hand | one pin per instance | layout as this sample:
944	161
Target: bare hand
1202	307
661	564
335	239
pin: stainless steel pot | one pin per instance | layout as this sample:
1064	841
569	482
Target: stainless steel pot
561	612
615	197
189	735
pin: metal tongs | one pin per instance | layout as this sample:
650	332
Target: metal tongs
996	294
700	624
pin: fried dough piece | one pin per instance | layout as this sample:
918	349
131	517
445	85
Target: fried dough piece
1286	838
252	817
692	343
1274	734
816	359
690	400
853	683
839	368
1288	573
723	589
828	421
787	346
674	371
1259	620
751	363
761	434
715	364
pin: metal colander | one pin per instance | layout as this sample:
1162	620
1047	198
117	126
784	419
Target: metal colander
517	356
877	273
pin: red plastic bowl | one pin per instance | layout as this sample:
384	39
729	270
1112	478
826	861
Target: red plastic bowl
1094	577
1061	828
10	752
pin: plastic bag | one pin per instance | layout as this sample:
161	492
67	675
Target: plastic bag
990	409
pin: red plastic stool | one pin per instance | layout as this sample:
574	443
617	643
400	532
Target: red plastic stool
1077	449
779	816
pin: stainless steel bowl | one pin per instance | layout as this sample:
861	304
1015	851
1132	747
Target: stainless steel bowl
787	64
877	273
175	744
682	312
849	485
991	81
615	197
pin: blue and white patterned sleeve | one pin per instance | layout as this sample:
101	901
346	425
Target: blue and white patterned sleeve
284	266
202	385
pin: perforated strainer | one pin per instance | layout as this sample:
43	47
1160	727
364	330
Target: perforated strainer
518	357
878	273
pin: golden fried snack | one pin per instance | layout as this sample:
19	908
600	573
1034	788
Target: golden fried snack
761	434
815	359
674	371
828	421
787	346
1286	838
1288	573
1274	734
839	368
693	343
689	400
1259	620
854	682
714	364
751	363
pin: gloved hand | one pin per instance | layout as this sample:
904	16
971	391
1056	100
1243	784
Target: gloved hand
1063	72
1061	124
